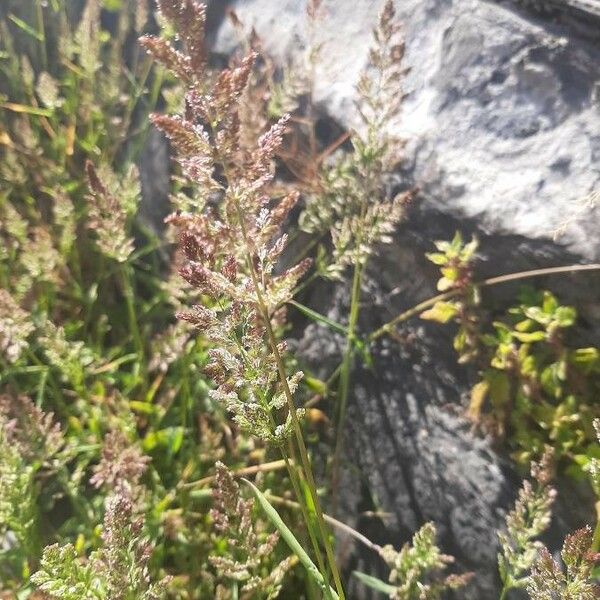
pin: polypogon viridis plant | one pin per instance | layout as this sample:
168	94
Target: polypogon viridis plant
416	569
248	557
529	518
231	244
32	448
353	206
577	580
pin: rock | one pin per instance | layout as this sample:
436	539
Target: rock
501	114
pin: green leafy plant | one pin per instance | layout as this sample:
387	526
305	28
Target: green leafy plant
416	570
553	383
535	387
455	262
117	570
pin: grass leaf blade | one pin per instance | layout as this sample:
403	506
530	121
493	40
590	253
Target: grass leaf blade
290	539
28	29
318	317
374	583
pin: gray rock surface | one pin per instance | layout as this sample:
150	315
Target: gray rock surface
502	111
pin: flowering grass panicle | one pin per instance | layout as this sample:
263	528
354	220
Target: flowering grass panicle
249	557
121	463
36	434
118	570
577	582
18	507
109	213
168	346
355	206
231	244
125	554
73	359
65	221
416	568
528	520
40	259
244	371
32	448
15	328
86	42
31	256
35	251
14	229
188	17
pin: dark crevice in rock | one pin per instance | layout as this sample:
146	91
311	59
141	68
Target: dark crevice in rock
581	17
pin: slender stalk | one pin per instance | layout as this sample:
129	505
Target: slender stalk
253	470
295	479
52	382
136	93
312	534
309	524
42	32
186	395
389	326
7	373
304	458
344	382
134	148
308	474
596	539
129	294
77	500
333	522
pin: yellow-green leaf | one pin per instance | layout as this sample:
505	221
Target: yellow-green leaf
441	312
478	396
